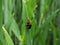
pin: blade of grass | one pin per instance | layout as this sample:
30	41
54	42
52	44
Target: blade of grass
2	41
14	27
7	36
54	34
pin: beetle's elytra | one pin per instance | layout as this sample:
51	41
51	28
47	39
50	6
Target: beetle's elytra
28	25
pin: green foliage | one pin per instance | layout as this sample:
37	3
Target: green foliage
44	18
7	37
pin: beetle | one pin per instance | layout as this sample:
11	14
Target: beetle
28	24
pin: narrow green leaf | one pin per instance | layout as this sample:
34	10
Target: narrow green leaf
54	34
7	37
1	43
14	27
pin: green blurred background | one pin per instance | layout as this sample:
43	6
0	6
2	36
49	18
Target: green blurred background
43	17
